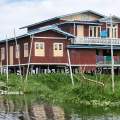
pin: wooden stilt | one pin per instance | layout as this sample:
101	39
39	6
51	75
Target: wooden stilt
39	70
31	71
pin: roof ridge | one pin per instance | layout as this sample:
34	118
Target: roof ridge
63	16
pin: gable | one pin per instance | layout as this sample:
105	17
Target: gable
82	16
79	16
49	33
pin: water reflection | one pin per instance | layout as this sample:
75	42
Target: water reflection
46	112
24	109
32	108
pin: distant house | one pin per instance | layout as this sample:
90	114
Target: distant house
87	35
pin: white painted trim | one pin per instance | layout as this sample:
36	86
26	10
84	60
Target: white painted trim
26	54
96	41
50	63
111	31
91	26
116	65
97	65
66	64
37	64
58	52
38	51
50	37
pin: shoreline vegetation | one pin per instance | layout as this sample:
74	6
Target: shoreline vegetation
57	88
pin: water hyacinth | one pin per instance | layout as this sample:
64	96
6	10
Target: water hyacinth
58	88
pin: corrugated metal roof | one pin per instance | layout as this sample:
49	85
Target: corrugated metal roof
86	11
43	29
109	19
93	47
17	37
53	28
96	22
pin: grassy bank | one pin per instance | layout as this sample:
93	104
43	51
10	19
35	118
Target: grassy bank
58	88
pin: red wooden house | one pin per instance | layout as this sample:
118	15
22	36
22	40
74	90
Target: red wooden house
87	36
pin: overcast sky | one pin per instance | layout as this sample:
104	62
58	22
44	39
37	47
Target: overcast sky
18	13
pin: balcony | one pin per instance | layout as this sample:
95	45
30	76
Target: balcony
96	41
107	59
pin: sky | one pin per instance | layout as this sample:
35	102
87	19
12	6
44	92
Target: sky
18	13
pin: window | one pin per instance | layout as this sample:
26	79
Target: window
25	49
94	31
60	46
17	51
2	53
55	47
39	49
37	46
112	33
80	30
41	46
58	49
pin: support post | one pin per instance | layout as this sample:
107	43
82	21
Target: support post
18	53
74	29
1	69
31	69
112	60
29	59
39	69
69	62
7	57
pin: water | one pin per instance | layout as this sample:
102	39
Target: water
31	107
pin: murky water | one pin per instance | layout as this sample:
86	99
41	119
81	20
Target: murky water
32	108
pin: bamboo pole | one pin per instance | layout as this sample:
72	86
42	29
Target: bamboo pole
112	58
18	53
90	80
7	58
1	67
69	62
29	59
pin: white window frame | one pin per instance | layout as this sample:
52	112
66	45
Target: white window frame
26	50
2	53
39	51
17	51
93	31
57	52
111	35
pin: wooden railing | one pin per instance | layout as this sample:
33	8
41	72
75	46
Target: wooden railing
107	59
96	41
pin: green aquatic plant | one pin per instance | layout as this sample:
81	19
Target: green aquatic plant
58	88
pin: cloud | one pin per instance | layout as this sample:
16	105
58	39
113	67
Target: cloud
18	13
18	1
